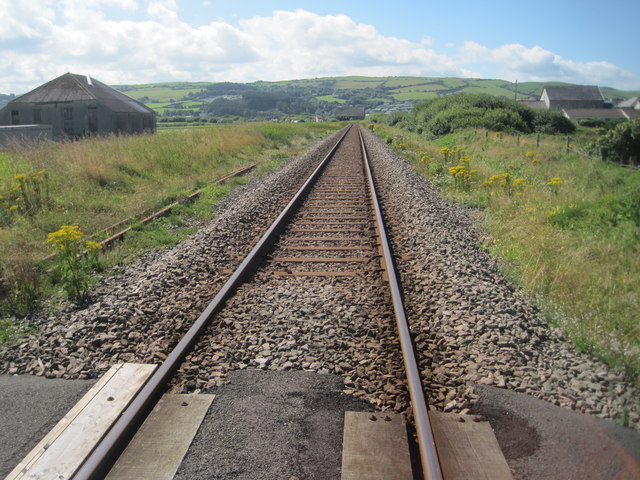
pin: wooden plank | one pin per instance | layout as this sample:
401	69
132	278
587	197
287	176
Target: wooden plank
157	450
321	259
62	455
324	214
281	273
49	438
327	230
327	222
375	449
345	248
467	449
328	239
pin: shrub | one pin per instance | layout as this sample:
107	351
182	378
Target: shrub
445	115
551	121
621	145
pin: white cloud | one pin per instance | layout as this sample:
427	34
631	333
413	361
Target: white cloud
40	39
537	64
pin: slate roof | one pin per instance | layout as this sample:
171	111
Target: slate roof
573	92
630	103
596	113
71	87
350	111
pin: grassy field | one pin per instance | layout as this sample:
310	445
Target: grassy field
428	87
100	181
414	96
565	227
397	82
358	82
158	96
163	92
182	104
331	98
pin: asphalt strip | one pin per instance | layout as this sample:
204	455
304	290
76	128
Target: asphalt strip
272	424
30	406
540	440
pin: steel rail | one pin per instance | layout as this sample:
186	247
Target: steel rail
100	460
428	453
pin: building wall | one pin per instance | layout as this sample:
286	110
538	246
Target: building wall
76	119
572	104
24	133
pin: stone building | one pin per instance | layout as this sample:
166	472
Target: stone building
572	96
350	113
78	105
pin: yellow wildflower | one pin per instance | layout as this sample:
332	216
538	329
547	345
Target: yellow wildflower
91	245
66	234
555	181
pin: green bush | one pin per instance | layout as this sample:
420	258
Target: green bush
455	112
621	144
551	121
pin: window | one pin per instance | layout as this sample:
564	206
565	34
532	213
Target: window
93	119
67	124
37	116
15	117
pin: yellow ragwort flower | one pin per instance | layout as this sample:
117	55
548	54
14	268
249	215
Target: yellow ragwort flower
555	181
91	245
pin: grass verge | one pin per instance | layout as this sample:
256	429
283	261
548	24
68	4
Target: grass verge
565	227
97	182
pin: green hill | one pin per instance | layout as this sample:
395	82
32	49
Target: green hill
322	95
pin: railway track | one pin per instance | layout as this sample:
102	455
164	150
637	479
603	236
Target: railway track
330	240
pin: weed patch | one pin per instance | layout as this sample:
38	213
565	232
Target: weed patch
565	227
97	182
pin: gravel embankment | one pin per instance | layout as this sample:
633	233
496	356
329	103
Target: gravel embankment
139	314
326	324
470	325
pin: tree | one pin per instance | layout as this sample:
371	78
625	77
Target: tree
622	144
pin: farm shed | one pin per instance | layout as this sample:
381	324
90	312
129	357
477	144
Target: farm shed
578	114
78	105
572	96
630	103
350	113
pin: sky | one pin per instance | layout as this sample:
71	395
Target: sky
148	41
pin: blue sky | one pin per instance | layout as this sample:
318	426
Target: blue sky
142	41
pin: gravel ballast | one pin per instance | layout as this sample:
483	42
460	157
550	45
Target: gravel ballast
138	315
470	325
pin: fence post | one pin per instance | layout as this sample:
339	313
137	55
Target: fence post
518	140
568	142
537	140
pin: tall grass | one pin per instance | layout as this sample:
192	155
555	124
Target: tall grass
96	182
573	242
